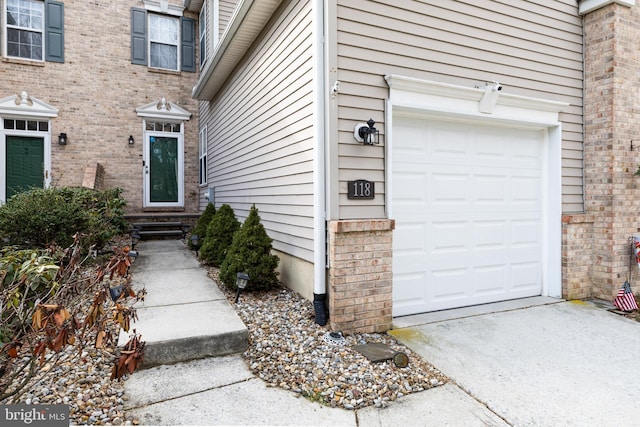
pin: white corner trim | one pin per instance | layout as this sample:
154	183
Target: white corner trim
587	6
26	106
443	98
163	110
163	6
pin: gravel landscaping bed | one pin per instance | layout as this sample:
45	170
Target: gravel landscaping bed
287	349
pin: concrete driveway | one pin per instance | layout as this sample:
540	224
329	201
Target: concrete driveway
560	363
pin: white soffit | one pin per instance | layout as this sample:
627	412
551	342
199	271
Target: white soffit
452	100
247	22
193	5
587	6
26	106
163	110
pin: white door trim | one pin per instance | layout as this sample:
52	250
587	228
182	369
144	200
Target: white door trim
440	100
180	172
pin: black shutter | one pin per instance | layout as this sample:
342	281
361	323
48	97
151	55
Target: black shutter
138	36
188	44
54	31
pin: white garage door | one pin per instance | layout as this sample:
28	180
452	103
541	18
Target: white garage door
468	204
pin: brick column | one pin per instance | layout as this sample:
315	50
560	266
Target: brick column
612	142
360	276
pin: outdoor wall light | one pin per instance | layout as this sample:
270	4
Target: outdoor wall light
131	140
366	133
62	139
241	283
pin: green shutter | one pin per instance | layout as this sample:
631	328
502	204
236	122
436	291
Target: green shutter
188	44
54	31
138	36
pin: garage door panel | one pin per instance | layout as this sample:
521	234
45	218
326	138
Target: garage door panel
526	276
478	192
449	284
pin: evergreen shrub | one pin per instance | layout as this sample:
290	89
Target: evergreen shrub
250	253
40	216
219	236
200	228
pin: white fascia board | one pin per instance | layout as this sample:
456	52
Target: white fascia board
247	22
444	99
587	6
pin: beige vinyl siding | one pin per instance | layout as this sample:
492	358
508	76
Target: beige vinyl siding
261	128
533	48
225	12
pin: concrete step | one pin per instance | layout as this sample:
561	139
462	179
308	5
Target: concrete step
184	316
160	229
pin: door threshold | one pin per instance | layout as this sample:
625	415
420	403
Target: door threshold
473	310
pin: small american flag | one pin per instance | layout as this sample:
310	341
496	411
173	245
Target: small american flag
625	300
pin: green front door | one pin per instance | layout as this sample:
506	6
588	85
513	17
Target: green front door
163	170
25	164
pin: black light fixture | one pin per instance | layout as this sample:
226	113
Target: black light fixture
195	242
135	238
62	139
366	133
131	140
241	283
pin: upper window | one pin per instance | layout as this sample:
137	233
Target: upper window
25	26
162	41
203	33
202	155
34	30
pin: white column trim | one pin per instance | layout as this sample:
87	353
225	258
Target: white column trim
587	6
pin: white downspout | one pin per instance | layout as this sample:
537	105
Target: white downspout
319	176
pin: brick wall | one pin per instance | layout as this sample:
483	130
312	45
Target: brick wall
96	91
577	256
360	277
612	122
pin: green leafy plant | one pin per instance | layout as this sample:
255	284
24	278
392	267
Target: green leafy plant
250	252
45	310
219	236
38	217
204	219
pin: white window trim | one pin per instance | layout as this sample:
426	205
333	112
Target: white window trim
203	22
5	49
178	43
163	7
202	153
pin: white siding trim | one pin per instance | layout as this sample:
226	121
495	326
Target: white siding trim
440	100
465	101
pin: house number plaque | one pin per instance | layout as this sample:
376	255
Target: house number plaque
361	189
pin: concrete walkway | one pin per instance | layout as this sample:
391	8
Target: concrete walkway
185	316
537	361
